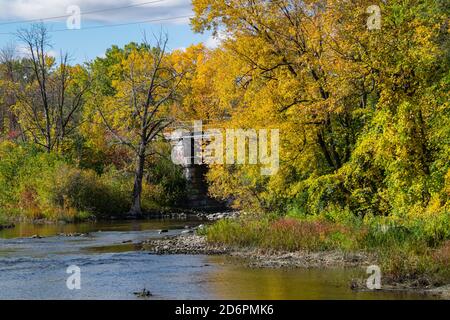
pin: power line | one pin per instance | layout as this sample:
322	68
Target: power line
83	13
127	23
114	25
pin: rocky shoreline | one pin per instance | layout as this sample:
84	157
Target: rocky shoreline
205	216
189	243
256	258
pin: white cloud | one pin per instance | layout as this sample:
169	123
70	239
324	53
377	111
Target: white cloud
12	10
182	49
214	41
23	52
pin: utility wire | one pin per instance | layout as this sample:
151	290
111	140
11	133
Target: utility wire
83	13
125	24
114	25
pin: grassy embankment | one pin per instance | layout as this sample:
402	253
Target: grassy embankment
36	185
411	251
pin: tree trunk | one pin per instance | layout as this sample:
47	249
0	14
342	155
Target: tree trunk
136	209
48	135
2	119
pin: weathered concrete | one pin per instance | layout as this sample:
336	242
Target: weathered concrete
185	148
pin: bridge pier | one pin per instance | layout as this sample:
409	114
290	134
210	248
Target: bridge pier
194	171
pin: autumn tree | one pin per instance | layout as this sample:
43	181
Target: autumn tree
349	100
138	112
50	100
11	73
201	85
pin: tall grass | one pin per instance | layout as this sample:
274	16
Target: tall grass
283	234
407	250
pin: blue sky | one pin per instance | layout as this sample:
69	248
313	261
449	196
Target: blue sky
87	42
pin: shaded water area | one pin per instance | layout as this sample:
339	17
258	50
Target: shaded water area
113	267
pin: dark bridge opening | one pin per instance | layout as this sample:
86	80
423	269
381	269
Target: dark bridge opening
197	190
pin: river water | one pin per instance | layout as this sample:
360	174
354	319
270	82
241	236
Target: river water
113	267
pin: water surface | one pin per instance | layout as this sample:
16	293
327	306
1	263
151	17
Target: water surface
113	267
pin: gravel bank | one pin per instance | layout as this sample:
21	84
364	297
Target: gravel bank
195	244
183	244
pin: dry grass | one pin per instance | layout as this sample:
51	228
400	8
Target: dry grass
286	234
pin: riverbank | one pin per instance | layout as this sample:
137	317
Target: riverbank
256	257
32	268
253	257
167	213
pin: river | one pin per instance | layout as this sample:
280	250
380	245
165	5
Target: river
113	267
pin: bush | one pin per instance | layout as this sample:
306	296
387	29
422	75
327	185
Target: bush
165	183
86	191
39	185
3	220
442	255
61	191
42	185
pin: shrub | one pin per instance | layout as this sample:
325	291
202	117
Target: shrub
39	185
86	191
3	219
165	183
42	185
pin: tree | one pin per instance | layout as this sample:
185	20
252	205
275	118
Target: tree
52	96
139	111
354	105
10	74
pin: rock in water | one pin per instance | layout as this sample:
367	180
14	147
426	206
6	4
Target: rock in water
74	234
143	294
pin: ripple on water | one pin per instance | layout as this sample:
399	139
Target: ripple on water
112	267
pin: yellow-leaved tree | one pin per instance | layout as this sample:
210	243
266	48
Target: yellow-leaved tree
140	108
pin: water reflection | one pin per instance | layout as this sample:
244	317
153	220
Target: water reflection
23	230
233	280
